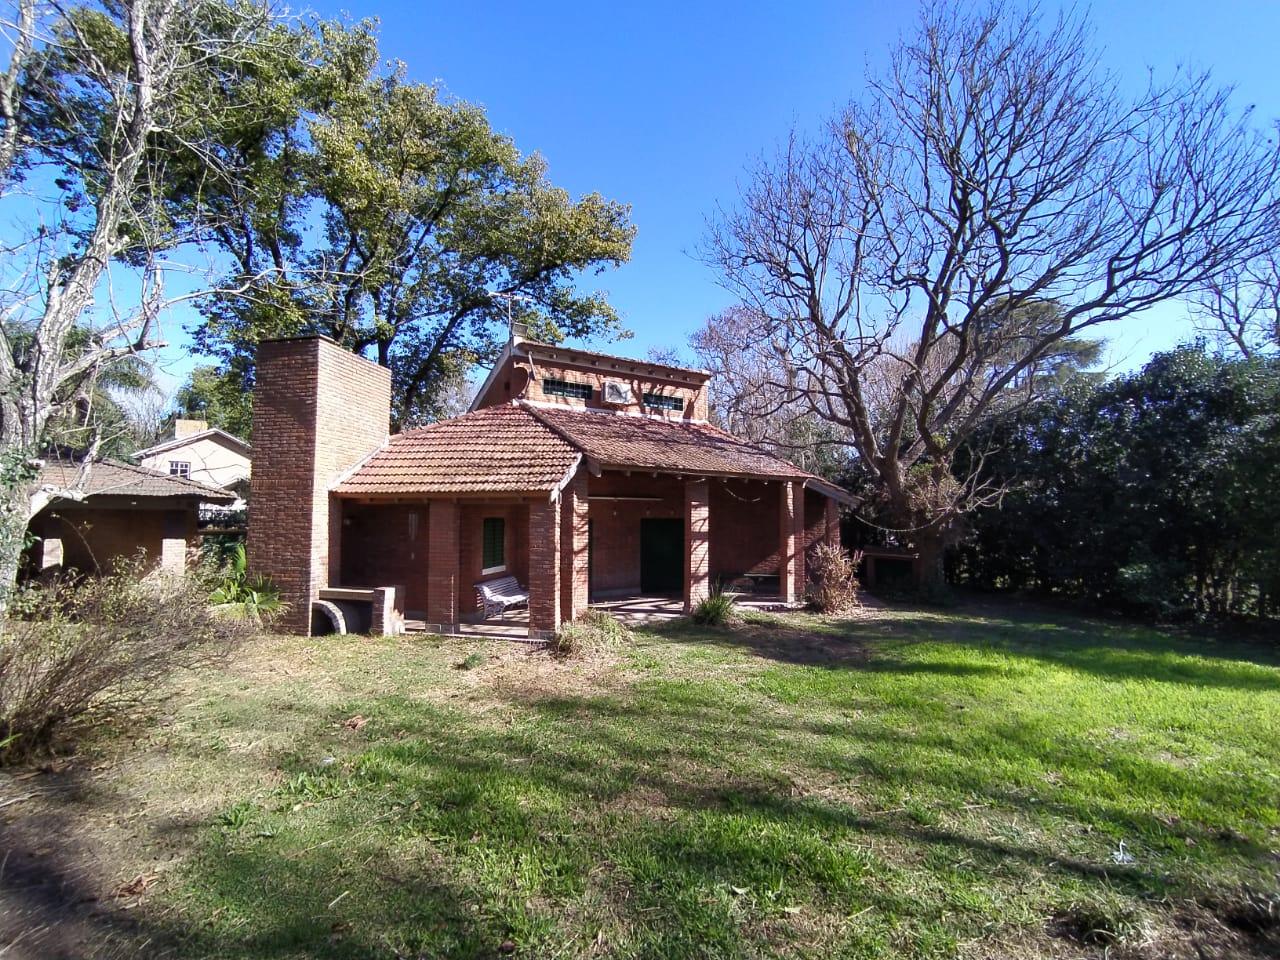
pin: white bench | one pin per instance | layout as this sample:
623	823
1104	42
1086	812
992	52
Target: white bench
500	595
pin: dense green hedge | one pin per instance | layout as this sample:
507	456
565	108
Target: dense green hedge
1155	492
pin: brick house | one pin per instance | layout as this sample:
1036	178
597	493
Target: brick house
122	510
584	476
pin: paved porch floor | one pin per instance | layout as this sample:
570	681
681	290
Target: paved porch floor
633	611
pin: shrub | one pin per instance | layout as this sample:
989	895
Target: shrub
833	578
716	610
592	630
239	595
72	652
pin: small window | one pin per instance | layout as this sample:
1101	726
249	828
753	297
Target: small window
494	545
179	468
566	388
660	401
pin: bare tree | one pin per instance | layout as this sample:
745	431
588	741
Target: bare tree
916	265
1241	308
95	101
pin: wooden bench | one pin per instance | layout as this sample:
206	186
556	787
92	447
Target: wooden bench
500	595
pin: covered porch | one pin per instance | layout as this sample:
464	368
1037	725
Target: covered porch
643	545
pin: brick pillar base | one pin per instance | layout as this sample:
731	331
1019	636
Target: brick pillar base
388	620
442	564
173	554
791	543
574	534
544	568
697	542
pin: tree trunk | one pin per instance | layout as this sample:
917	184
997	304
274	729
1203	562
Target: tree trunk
931	546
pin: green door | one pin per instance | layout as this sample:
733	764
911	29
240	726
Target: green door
661	556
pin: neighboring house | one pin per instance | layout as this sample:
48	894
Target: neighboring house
582	475
125	509
201	453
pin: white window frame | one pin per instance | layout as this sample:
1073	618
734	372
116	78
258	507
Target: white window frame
176	469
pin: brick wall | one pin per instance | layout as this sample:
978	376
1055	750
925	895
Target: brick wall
791	537
615	525
544	567
99	538
744	523
444	581
574	526
317	411
697	545
471	535
514	383
386	545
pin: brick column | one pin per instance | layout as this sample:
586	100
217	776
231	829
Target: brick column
573	547
442	564
317	411
791	543
697	542
387	620
544	568
832	532
173	554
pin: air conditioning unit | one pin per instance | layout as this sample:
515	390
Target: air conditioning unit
615	391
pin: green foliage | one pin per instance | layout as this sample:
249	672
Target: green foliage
1153	492
380	212
240	595
223	397
472	660
875	790
592	631
716	610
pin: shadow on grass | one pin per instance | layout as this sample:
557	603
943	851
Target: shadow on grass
1107	650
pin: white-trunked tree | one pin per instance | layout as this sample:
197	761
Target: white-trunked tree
97	104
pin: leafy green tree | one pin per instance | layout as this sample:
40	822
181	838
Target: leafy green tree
210	394
385	215
102	104
1152	491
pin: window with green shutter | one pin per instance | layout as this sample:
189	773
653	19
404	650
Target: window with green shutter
494	540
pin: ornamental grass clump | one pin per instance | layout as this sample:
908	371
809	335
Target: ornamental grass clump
716	610
81	654
833	580
593	630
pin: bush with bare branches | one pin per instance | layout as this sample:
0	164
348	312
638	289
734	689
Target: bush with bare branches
833	579
75	652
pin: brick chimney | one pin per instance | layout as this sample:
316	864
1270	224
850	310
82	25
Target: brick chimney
317	411
185	428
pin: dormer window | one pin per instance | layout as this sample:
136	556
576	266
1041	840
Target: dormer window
567	388
660	401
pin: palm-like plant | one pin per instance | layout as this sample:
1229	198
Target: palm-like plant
238	594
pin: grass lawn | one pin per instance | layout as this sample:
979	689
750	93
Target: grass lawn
909	784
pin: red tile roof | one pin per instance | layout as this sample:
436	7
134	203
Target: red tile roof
500	449
523	447
630	442
113	478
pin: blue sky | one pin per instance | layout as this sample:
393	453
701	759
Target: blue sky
661	105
